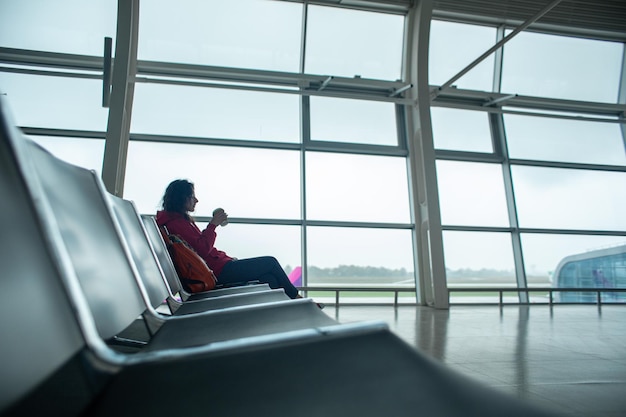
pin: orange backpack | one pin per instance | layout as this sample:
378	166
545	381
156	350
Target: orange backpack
194	274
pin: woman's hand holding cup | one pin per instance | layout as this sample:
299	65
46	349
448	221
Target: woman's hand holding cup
220	218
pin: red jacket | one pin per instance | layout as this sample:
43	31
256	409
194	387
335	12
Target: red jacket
202	241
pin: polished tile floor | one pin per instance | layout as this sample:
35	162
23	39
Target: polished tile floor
568	358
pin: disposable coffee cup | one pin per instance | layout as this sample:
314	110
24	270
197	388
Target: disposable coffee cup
217	211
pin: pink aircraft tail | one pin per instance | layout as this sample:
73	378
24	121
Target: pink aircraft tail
296	276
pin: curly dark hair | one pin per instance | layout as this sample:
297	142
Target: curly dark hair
176	195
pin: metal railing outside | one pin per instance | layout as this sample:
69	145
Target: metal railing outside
338	290
549	290
499	290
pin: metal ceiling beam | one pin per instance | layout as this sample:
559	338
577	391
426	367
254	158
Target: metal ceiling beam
50	59
477	100
385	6
592	19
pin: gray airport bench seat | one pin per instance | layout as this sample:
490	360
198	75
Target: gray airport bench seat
171	276
152	273
112	281
55	361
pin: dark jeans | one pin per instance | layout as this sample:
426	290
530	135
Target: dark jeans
265	269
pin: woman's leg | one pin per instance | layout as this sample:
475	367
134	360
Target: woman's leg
265	269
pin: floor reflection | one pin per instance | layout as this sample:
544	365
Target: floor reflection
568	358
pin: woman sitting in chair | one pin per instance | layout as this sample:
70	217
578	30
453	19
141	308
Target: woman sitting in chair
178	201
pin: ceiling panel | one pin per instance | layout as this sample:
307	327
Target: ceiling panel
604	19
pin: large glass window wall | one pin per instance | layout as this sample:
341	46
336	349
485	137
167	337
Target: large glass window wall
250	146
522	189
316	175
318	181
